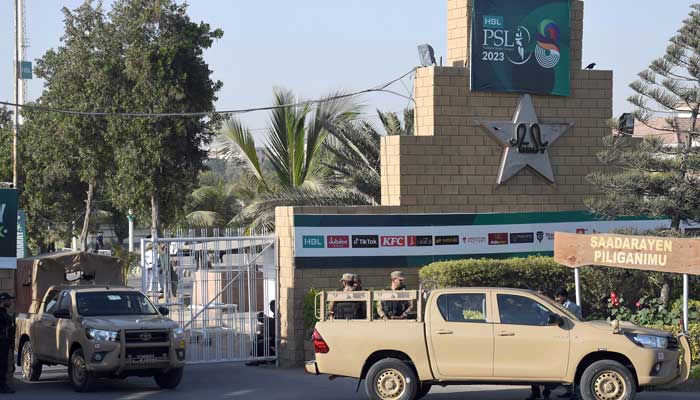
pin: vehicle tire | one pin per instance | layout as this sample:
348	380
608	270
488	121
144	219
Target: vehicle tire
170	379
423	390
607	380
81	379
391	379
31	368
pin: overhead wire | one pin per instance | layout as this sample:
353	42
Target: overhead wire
379	88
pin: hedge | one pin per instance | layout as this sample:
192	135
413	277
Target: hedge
543	273
693	338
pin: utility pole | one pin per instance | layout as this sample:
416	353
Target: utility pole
20	88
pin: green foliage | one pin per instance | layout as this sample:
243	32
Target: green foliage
310	312
130	262
160	69
294	149
6	122
355	147
649	311
654	178
542	273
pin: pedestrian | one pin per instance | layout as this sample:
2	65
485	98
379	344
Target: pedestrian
398	309
7	341
99	242
562	297
348	309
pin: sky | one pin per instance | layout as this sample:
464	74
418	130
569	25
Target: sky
315	47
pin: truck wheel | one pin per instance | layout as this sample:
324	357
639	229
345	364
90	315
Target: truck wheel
391	379
608	380
80	377
170	379
423	391
31	368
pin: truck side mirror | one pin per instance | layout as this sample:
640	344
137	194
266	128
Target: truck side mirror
163	310
65	314
555	319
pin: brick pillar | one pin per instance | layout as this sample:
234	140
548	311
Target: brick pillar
458	17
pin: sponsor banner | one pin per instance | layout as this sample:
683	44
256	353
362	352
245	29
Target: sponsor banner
8	228
21	234
365	241
337	242
408	240
393	241
446	240
312	242
527	237
498	239
420	241
521	46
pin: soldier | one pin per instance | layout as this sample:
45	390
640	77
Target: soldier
348	309
7	341
396	309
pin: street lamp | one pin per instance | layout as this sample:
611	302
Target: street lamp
131	230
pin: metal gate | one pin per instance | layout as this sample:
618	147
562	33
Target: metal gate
220	289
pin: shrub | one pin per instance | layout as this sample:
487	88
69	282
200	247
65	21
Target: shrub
309	312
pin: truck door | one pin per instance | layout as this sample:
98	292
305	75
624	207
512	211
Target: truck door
461	335
526	345
45	325
63	328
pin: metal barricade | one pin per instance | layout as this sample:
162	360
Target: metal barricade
220	289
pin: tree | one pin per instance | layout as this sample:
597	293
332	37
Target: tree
355	147
77	76
294	149
214	203
654	178
5	145
157	160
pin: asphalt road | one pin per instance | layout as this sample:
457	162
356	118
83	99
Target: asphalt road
235	381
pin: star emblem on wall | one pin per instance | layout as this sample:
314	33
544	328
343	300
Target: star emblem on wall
525	141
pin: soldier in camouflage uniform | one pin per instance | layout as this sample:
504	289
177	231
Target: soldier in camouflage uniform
348	309
7	342
396	309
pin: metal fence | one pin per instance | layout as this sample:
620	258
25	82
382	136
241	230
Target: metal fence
221	289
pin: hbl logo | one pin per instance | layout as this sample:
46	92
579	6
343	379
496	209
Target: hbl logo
313	242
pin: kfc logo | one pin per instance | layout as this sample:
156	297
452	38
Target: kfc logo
393	241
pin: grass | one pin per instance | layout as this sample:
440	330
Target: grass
695	372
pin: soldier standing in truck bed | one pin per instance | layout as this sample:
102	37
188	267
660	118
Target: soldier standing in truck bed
349	309
401	309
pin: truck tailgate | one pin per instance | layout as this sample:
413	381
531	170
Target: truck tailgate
352	343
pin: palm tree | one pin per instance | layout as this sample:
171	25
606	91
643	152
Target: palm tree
298	175
356	145
214	203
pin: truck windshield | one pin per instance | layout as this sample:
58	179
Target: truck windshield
93	304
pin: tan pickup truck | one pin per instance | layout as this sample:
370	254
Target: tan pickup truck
100	331
492	336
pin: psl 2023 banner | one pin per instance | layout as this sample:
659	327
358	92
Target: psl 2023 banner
8	228
521	46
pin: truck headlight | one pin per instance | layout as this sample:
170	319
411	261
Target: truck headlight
178	333
100	335
648	341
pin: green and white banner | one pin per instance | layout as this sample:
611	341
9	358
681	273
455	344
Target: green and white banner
521	46
8	228
413	240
